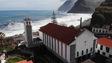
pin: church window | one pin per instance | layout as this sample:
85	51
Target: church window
107	49
103	53
26	23
65	51
91	50
61	49
49	42
44	38
58	46
55	44
82	52
101	47
86	51
52	43
77	54
29	23
110	56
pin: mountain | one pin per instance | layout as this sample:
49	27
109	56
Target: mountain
67	5
103	14
85	6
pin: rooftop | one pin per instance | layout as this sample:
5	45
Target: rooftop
61	33
25	61
105	41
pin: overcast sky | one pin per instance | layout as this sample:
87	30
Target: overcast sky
30	4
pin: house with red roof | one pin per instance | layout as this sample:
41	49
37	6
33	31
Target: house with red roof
70	45
104	46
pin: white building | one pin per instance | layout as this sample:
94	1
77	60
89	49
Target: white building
104	46
106	29
66	43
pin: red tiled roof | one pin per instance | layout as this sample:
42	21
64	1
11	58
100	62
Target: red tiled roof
105	42
61	33
25	61
106	26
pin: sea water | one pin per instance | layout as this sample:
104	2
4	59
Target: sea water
11	22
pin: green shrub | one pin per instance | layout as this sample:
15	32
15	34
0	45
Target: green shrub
9	47
13	60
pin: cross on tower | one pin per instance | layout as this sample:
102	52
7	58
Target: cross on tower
85	43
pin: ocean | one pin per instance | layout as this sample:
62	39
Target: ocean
11	22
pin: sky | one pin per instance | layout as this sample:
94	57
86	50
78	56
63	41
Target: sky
30	4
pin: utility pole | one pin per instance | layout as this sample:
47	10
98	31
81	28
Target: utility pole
80	22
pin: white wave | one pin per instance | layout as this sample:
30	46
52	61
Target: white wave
18	28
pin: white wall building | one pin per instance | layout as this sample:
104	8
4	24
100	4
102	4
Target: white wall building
68	44
104	46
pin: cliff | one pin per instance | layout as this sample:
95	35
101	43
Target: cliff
102	14
67	5
85	6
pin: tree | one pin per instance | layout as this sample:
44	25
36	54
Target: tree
109	61
71	26
54	19
2	36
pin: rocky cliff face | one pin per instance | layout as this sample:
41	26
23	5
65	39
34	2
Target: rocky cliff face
67	6
85	6
102	14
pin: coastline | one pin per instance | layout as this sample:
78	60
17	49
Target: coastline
20	36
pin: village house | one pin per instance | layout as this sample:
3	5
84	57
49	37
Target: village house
104	46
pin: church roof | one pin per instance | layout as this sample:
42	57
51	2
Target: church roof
105	41
61	33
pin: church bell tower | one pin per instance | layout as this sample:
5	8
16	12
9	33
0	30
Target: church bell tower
28	31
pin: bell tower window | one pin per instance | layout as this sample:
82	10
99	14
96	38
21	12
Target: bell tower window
29	23
26	23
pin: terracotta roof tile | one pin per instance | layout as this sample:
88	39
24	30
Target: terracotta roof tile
106	26
61	33
105	41
25	61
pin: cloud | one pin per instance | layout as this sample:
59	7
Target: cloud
30	4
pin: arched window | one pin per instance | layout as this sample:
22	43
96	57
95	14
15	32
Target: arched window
86	51
91	50
26	23
77	54
29	23
82	52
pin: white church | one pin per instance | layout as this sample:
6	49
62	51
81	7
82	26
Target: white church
70	45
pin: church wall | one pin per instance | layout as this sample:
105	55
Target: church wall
68	53
41	35
48	40
57	46
84	42
63	50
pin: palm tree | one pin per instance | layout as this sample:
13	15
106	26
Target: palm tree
2	36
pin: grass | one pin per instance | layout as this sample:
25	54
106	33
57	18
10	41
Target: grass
9	47
13	60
